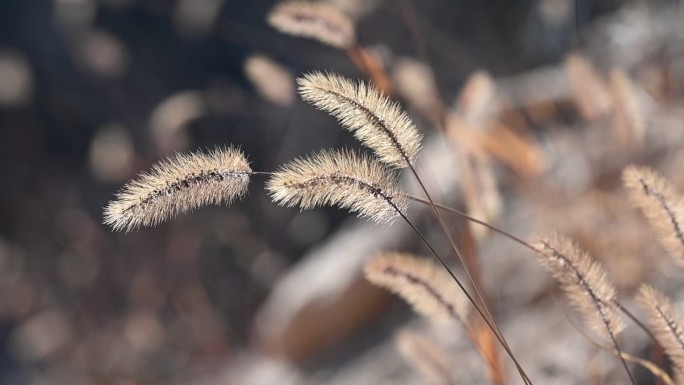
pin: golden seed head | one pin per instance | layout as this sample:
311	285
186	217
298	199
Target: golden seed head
374	119
179	184
343	178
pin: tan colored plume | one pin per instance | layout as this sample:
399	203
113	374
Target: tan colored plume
426	286
343	178
584	281
589	89
374	119
662	205
628	111
415	82
667	323
317	21
273	81
424	355
179	184
477	102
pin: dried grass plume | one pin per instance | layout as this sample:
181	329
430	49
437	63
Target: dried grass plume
584	282
375	120
426	286
667	323
343	178
662	205
179	184
318	21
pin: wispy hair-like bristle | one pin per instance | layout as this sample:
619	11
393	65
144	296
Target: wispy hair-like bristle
374	119
584	281
179	184
425	356
662	205
343	178
423	284
317	21
667	323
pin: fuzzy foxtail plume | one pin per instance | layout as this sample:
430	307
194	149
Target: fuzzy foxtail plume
179	184
343	178
662	205
667	323
375	120
318	21
423	284
584	281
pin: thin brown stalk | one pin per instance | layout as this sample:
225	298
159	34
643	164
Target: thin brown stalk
646	364
529	246
179	184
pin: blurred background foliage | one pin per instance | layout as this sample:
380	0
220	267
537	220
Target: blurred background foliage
94	91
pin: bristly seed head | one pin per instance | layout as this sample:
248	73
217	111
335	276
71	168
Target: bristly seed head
374	119
662	205
342	178
667	323
426	286
584	281
179	184
318	21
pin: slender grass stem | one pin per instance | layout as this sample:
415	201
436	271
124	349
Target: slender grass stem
529	246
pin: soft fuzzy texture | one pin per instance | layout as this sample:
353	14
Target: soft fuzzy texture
343	178
426	286
318	21
667	323
584	281
374	119
661	204
179	184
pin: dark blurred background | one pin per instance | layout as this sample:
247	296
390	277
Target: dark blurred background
94	91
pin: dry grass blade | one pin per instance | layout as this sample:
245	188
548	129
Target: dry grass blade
423	284
425	356
661	204
342	178
179	184
415	82
667	323
589	89
318	21
273	81
628	111
375	120
477	102
481	192
584	281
